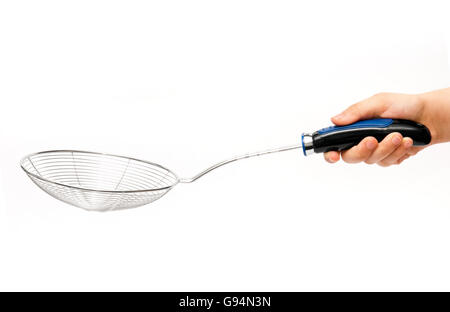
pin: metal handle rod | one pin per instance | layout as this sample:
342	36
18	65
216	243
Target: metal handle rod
225	162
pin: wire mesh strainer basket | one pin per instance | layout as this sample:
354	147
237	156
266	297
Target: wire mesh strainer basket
96	181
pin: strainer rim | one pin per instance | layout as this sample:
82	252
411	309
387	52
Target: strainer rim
27	157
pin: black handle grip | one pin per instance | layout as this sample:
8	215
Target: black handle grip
338	138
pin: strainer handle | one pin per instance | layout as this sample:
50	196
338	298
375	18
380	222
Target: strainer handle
225	162
338	138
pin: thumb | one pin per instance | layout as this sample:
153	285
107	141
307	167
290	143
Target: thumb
366	109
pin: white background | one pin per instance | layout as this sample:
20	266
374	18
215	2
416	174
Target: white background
188	83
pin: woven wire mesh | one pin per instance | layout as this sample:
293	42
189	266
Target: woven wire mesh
96	181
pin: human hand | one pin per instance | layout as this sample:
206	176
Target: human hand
431	109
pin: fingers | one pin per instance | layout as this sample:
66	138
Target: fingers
332	157
360	152
385	148
398	154
393	150
366	109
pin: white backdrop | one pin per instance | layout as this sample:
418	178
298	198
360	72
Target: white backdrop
188	83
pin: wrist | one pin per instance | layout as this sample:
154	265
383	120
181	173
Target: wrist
435	114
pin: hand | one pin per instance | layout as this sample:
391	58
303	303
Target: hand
431	109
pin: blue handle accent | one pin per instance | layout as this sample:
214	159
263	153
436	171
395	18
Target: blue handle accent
370	123
303	145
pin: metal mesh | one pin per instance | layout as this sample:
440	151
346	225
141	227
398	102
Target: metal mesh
95	181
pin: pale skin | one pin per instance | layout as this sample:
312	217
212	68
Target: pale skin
431	109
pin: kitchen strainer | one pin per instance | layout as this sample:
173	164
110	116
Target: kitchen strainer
102	182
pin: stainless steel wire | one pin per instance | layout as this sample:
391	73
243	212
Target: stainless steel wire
96	181
102	182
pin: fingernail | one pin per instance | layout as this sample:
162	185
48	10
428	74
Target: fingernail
408	143
370	144
329	159
396	140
